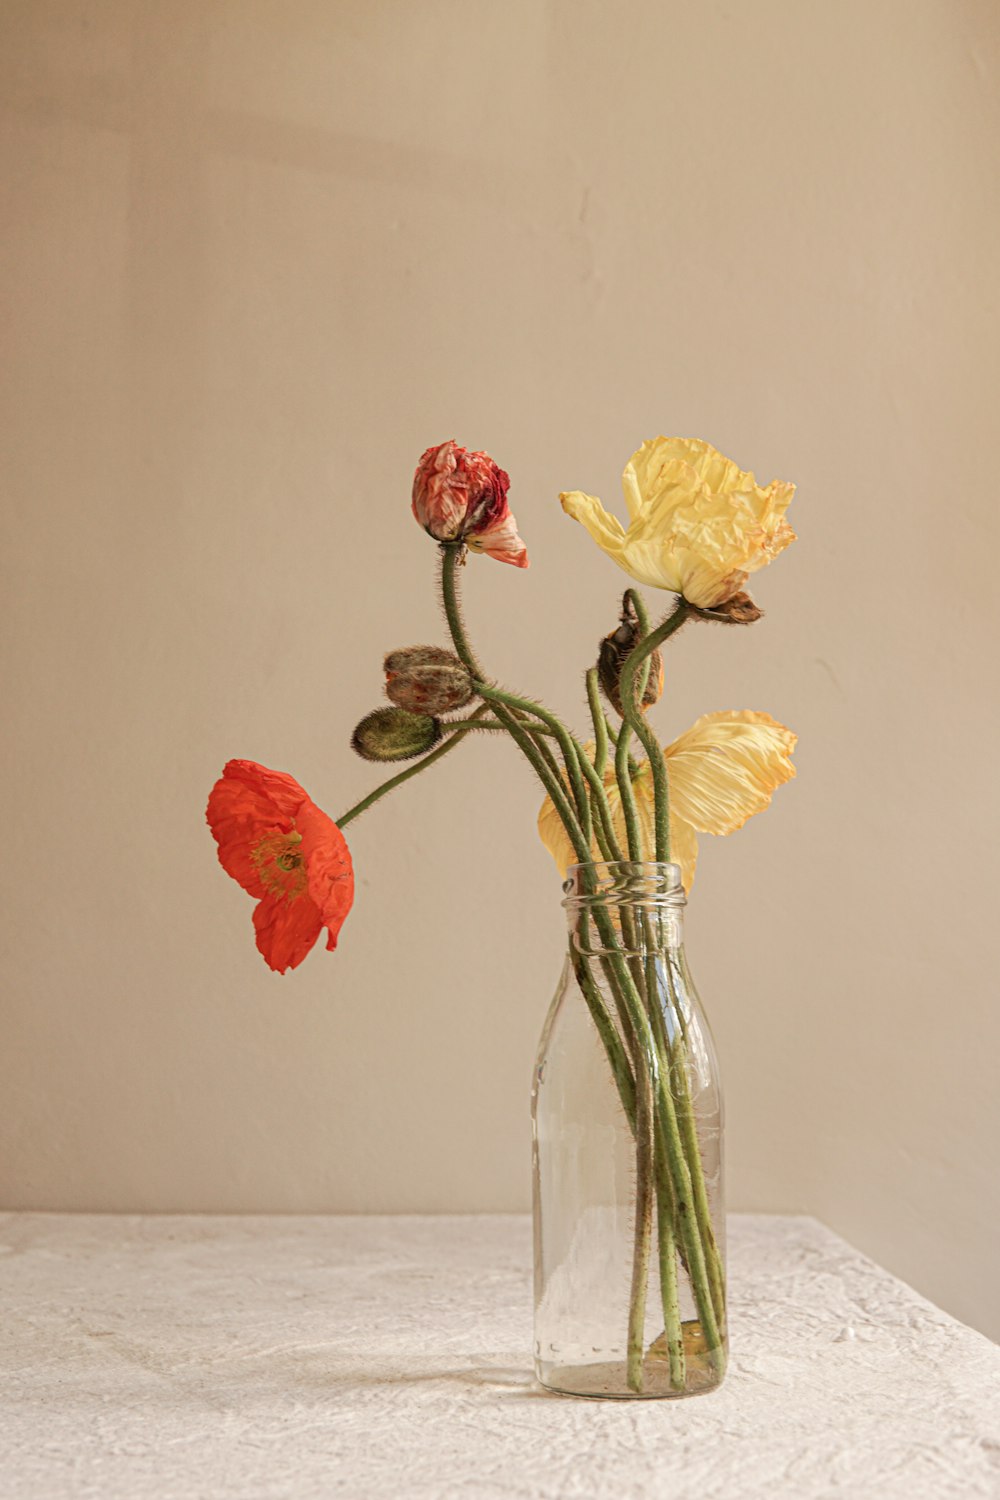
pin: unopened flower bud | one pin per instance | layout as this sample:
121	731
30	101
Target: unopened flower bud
611	658
427	680
739	610
394	734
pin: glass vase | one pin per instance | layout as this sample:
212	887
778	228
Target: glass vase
628	1170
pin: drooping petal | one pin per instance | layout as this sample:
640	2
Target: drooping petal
247	803
286	930
552	832
683	840
329	870
726	767
609	535
500	542
284	850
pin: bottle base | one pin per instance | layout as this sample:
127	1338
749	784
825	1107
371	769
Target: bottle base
608	1381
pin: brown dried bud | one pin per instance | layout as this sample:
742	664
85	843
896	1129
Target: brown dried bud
394	734
611	658
427	680
739	610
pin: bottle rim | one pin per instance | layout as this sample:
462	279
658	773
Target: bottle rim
648	881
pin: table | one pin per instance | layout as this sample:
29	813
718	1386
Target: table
202	1358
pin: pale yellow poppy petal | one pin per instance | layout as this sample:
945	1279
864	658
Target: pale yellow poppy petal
699	524
606	529
683	849
650	564
726	767
683	839
553	835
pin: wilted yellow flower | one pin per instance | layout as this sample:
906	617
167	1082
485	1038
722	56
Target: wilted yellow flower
699	525
722	771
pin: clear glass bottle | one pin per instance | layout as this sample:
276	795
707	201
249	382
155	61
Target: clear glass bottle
628	1171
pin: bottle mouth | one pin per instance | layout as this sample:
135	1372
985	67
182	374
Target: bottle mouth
647	882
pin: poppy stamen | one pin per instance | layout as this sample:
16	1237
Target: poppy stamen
279	863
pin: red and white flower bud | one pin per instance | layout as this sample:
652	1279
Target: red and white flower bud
427	680
460	496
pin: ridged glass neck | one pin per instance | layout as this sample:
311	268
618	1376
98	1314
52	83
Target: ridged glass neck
629	906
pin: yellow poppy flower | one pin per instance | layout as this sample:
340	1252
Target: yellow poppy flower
722	770
699	525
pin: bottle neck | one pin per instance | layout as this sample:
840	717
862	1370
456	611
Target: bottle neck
626	908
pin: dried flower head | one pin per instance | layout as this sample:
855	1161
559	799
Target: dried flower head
611	658
460	496
427	680
739	610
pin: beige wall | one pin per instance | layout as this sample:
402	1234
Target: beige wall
256	257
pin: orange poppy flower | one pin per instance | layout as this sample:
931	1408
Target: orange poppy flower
284	850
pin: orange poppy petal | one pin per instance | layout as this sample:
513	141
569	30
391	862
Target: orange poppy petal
286	930
246	803
328	867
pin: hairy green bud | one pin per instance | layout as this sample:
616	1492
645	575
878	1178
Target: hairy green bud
394	734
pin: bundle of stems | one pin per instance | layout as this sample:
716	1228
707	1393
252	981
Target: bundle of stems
647	1056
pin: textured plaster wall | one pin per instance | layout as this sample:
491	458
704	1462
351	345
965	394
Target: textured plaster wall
257	256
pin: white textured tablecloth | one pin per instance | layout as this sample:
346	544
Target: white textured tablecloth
191	1358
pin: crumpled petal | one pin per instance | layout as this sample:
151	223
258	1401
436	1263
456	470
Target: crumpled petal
501	542
699	525
246	803
721	771
329	870
286	930
726	767
284	850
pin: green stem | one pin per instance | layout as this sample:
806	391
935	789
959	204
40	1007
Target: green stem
636	721
600	723
606	1029
420	765
450	553
680	1134
689	1132
646	1073
643	1227
645	1057
461	725
572	752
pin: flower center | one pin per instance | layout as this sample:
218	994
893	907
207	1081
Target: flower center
279	863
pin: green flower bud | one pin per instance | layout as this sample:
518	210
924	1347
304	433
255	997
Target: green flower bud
427	680
394	734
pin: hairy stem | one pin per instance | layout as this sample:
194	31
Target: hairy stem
420	765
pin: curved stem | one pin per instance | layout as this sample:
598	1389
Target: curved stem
600	723
450	553
420	765
635	719
572	752
660	1138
